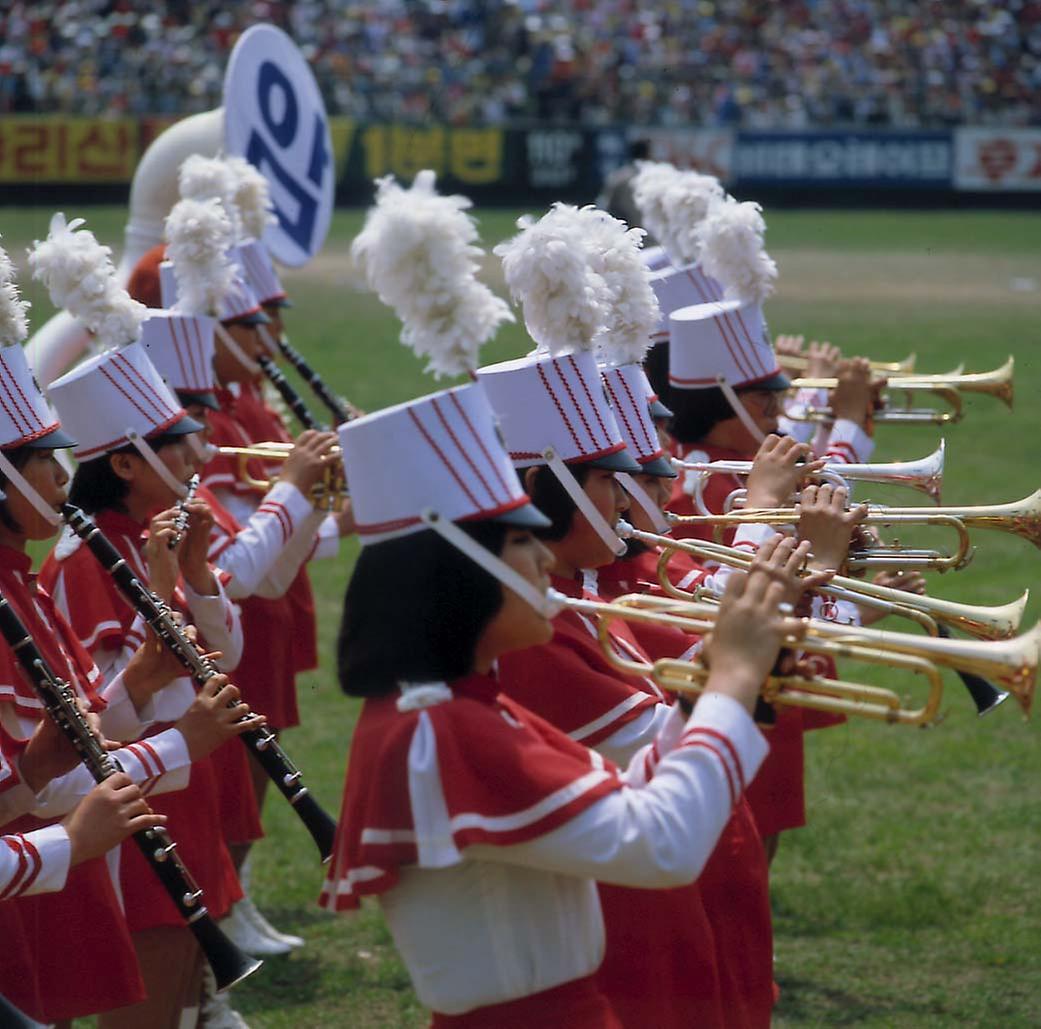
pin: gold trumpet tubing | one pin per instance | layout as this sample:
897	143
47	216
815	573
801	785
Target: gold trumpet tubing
328	494
1012	663
996	622
905	367
890	414
836	696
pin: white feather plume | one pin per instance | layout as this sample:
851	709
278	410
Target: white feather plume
418	252
686	201
549	274
732	250
206	178
252	197
198	235
632	312
78	273
14	325
649	185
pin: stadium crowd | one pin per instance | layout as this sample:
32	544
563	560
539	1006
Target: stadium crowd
707	62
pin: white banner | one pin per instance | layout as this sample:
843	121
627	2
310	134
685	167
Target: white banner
274	116
1005	160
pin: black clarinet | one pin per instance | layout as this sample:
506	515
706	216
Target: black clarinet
181	521
337	406
293	400
13	1018
229	964
262	743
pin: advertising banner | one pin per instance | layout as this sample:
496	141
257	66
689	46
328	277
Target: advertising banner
997	160
60	149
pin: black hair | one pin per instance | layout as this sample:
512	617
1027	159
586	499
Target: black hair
656	365
19	457
639	150
550	497
96	487
414	611
697	411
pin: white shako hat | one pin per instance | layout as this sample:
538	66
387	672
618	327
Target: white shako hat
629	393
26	419
726	340
655	258
238	302
181	348
261	274
681	287
441	451
117	398
557	403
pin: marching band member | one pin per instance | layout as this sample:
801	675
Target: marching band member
456	793
128	489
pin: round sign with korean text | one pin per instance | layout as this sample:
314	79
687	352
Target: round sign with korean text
274	116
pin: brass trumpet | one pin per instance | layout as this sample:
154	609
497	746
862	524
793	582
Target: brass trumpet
949	387
924	475
983	622
328	494
798	363
1012	663
1020	517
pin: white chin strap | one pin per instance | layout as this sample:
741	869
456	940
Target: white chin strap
236	351
17	480
643	500
157	466
493	565
269	341
740	410
581	500
205	452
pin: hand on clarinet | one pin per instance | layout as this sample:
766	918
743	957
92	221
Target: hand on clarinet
194	548
212	720
154	666
112	811
49	753
752	624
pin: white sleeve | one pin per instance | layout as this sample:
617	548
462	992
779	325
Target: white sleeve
34	862
121	720
621	746
250	556
328	538
160	764
848	443
661	835
294	555
791	423
241	505
218	622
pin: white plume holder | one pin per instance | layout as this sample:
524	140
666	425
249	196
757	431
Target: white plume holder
16	479
581	500
642	497
157	466
236	351
739	409
493	565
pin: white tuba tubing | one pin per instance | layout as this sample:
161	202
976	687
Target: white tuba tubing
58	344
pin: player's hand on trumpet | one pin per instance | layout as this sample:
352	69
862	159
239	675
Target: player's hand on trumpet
312	454
823	360
754	620
112	811
777	471
211	720
856	395
909	581
827	525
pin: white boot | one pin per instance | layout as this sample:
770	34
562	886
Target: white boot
216	1011
246	936
249	913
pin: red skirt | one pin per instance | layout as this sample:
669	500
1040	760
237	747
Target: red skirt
578	1004
265	675
236	800
194	824
305	636
736	892
659	968
79	944
17	971
777	793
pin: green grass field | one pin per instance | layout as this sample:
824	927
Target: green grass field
911	899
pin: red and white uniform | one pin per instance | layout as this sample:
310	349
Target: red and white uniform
482	828
280	629
112	630
570	682
734	886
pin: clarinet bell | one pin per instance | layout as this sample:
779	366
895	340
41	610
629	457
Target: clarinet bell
230	965
12	1018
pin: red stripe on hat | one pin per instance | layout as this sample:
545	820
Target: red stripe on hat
750	338
737	354
444	460
589	396
371	528
177	349
144	414
192	376
620	411
556	403
575	404
642	422
466	457
142	384
31	417
480	442
120	441
13	412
